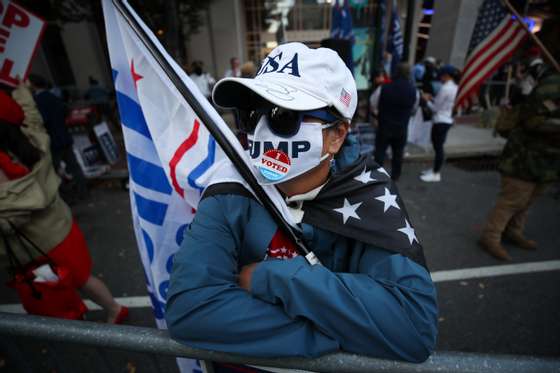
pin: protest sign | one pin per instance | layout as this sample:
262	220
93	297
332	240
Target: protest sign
20	33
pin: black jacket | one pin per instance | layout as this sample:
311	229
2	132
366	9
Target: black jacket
53	112
396	102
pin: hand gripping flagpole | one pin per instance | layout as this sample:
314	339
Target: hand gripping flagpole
214	130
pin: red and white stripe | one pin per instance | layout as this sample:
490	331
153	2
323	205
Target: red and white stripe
488	56
345	97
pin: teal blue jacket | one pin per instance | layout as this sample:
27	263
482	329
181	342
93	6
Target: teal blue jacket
363	299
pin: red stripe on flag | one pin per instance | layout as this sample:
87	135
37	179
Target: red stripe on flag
490	51
499	46
481	64
179	153
487	45
462	96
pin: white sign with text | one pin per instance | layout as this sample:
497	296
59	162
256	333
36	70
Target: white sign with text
20	33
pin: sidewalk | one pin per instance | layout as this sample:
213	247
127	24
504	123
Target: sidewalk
463	140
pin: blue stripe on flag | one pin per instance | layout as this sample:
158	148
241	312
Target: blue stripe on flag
204	165
131	115
150	210
149	244
148	175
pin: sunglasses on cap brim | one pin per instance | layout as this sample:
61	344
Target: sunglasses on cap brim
282	122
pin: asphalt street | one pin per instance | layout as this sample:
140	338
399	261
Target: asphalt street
510	314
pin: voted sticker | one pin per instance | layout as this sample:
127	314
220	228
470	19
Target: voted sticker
274	164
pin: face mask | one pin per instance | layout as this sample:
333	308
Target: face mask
280	159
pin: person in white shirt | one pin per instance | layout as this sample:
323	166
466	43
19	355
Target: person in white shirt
442	109
235	70
204	81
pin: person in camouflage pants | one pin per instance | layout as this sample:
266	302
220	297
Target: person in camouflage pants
529	162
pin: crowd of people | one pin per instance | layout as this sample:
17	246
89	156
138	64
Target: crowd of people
529	120
395	101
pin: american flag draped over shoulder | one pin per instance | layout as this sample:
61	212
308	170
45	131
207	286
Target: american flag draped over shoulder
362	203
495	38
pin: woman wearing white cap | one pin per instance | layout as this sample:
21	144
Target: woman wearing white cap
238	283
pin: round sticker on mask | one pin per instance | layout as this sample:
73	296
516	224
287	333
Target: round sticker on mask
274	164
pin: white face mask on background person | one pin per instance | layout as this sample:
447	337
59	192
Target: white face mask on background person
279	159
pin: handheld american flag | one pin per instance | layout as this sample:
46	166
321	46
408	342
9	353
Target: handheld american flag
171	153
495	38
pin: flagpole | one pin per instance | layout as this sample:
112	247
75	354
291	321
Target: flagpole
533	36
388	25
214	130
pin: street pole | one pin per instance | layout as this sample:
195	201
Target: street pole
410	8
388	17
172	34
547	54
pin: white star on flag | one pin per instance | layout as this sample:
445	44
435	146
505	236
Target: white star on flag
348	210
388	200
409	231
381	170
364	177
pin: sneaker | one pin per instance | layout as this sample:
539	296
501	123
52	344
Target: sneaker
431	177
428	171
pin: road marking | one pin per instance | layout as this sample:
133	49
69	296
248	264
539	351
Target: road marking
438	276
494	271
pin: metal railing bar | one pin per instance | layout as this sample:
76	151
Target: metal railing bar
155	341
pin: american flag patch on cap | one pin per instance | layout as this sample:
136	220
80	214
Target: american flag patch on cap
345	97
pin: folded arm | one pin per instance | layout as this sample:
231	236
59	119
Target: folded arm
387	310
207	309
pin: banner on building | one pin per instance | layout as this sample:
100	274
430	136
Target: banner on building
20	34
361	53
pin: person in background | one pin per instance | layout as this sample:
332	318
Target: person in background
99	97
529	163
394	103
387	63
526	77
234	70
203	80
418	72
30	201
430	75
96	93
248	70
379	78
53	113
442	108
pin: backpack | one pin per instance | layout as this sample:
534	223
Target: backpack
508	119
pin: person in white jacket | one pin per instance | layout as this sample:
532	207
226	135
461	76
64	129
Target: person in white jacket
442	109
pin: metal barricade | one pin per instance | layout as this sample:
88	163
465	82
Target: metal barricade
157	342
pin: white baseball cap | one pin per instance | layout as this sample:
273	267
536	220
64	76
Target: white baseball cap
294	77
536	61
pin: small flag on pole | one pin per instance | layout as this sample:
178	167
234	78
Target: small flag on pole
495	38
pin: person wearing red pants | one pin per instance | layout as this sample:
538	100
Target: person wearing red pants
30	203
